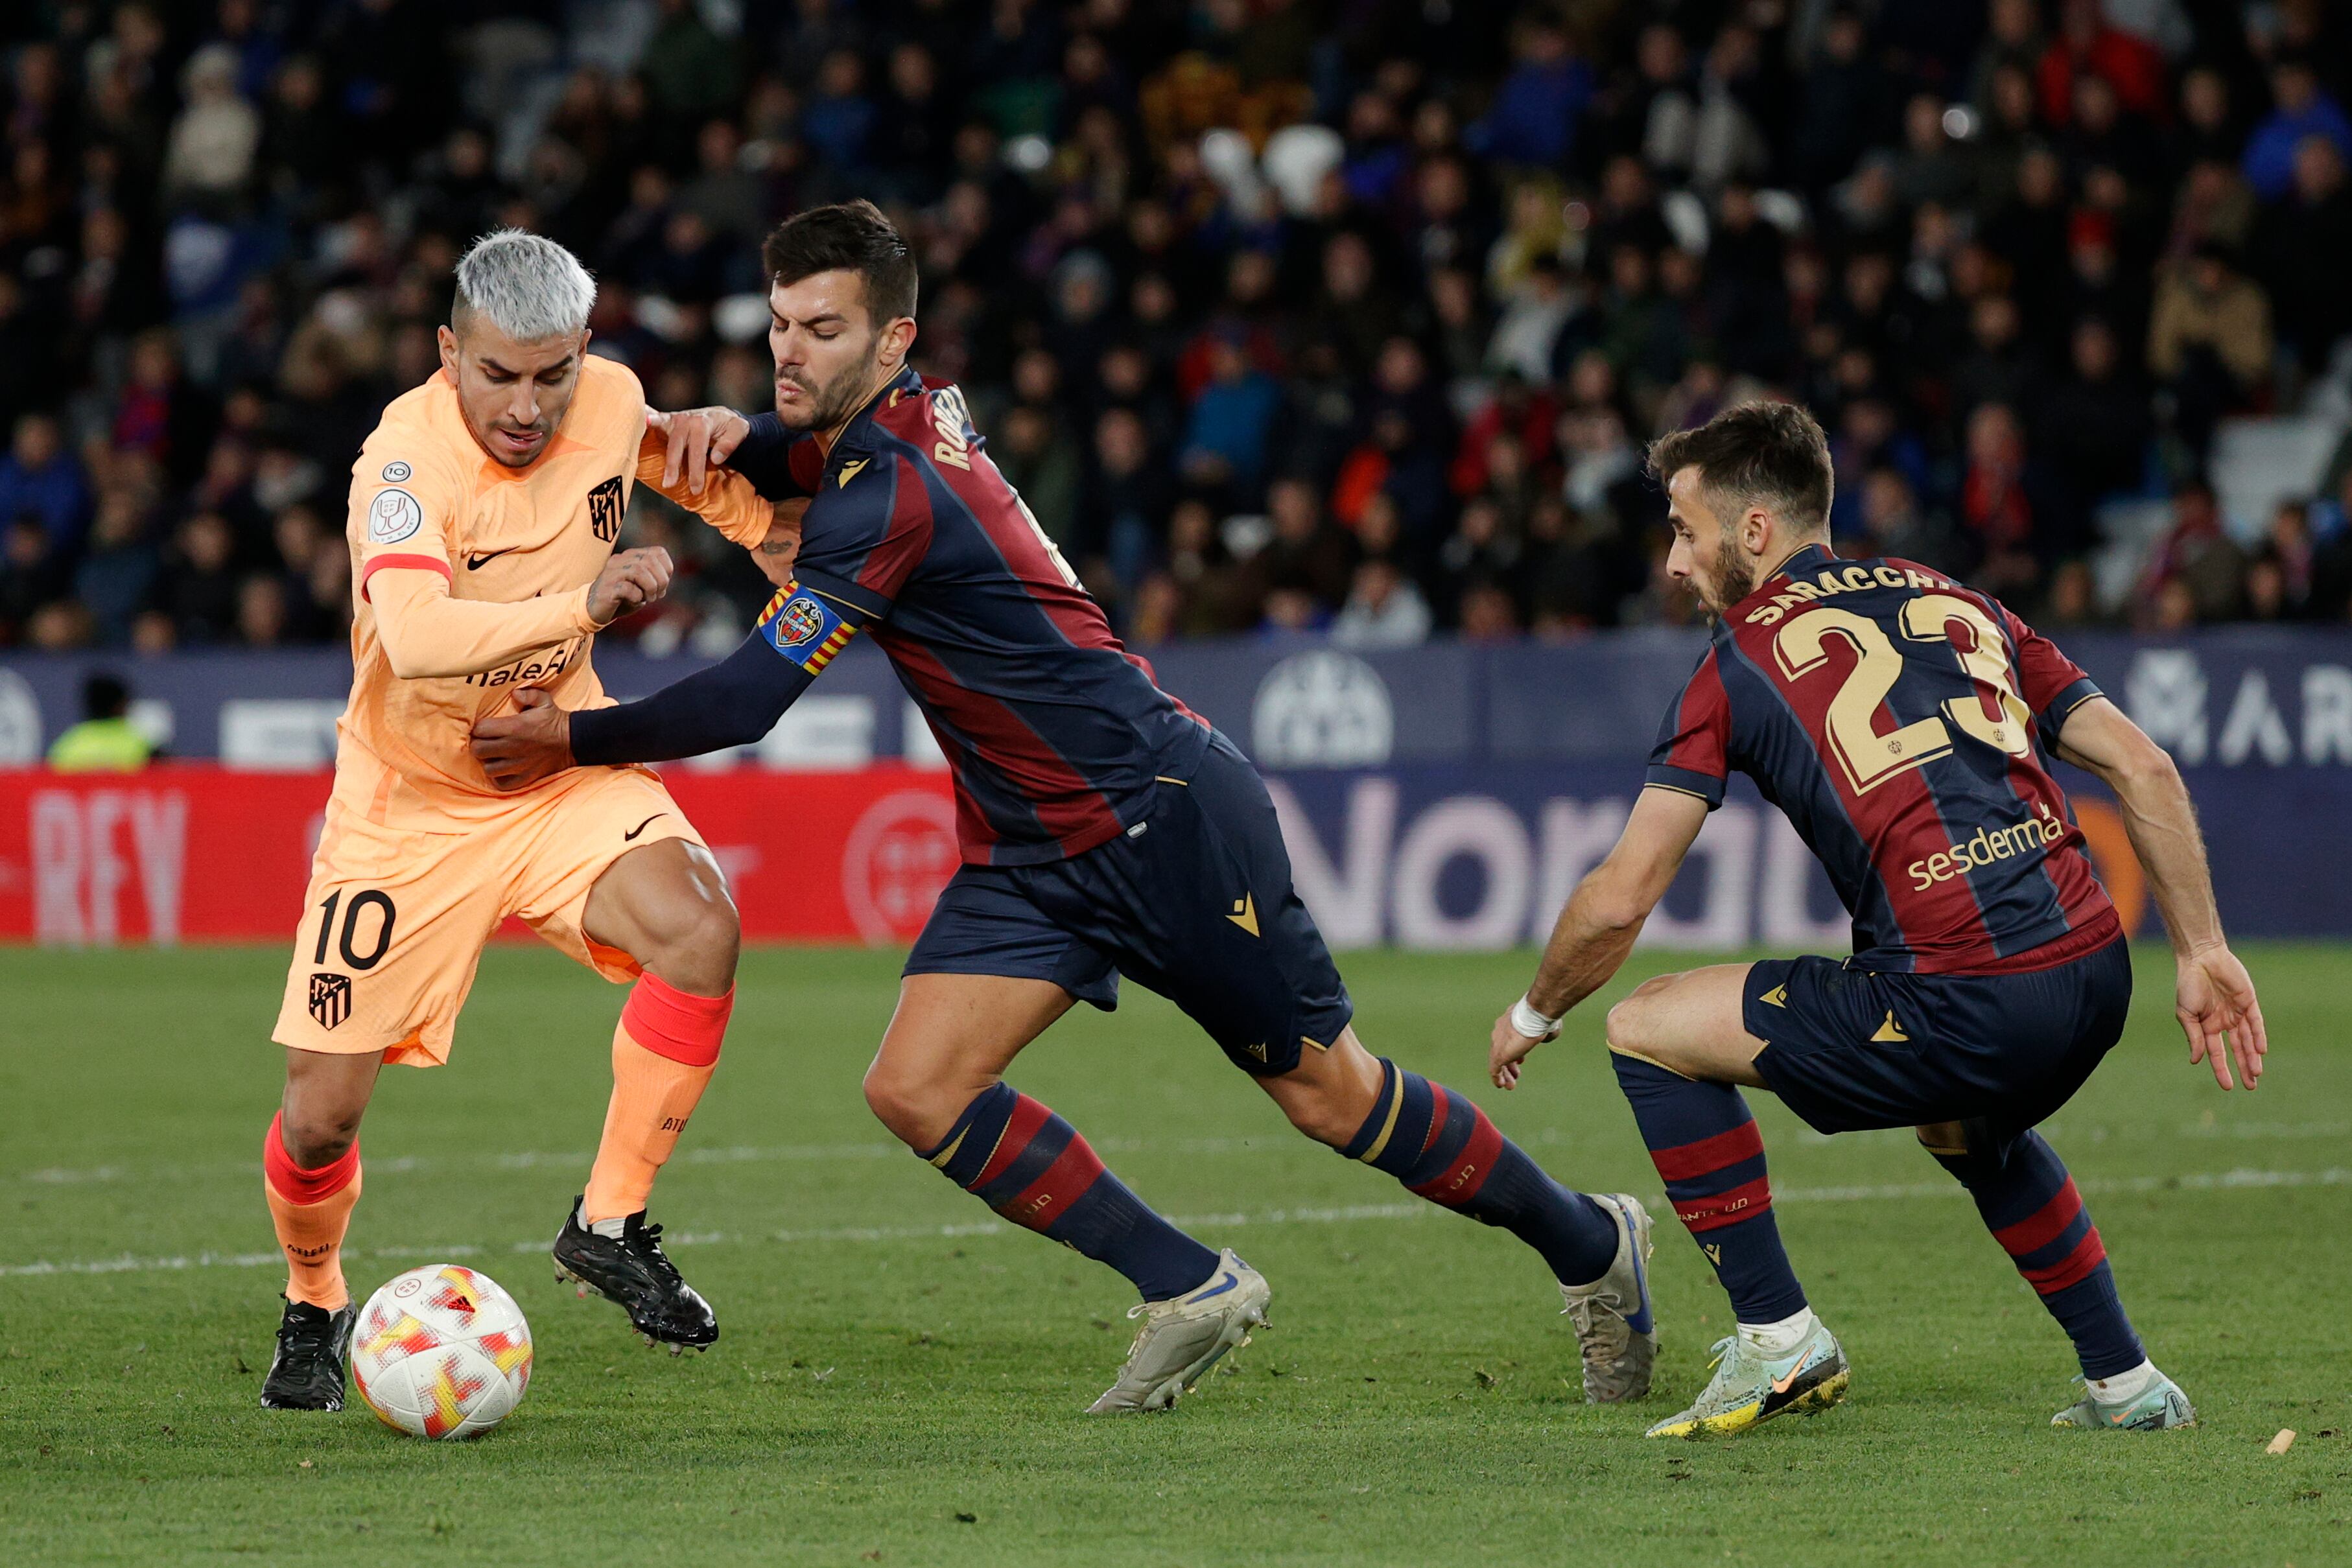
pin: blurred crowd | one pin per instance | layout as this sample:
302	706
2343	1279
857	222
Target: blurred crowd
1282	314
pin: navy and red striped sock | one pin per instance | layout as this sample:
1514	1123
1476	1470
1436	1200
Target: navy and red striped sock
2030	1205
1442	1148
1033	1168
1705	1144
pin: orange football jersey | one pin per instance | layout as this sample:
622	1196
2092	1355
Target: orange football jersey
425	498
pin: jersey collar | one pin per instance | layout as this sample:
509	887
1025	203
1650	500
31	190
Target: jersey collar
1806	559
858	435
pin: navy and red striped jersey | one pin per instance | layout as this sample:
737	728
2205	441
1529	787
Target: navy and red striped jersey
1902	722
1054	733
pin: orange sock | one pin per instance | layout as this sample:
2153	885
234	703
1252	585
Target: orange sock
663	1053
311	1210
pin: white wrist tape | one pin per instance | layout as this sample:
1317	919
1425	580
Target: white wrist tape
1531	1023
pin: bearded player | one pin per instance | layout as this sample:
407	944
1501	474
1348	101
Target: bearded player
1905	723
483	513
1104	828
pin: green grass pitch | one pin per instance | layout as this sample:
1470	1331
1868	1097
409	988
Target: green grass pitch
900	1378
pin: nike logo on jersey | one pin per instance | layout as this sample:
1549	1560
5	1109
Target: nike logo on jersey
476	560
850	471
1243	913
631	836
1890	1032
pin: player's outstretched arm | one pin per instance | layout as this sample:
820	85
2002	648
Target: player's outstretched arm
2214	999
733	703
684	455
693	444
1597	927
427	635
697	441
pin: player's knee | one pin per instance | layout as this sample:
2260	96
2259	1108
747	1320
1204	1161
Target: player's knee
1622	1030
325	1097
697	944
1323	1118
318	1136
1634	1032
916	1112
718	936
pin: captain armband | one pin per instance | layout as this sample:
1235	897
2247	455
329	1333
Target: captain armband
804	627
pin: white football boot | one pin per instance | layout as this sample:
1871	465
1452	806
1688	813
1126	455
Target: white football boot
1183	1336
1615	1328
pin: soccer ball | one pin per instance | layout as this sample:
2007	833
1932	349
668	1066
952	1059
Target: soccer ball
441	1351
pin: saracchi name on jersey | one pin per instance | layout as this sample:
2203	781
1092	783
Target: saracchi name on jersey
1902	722
1054	733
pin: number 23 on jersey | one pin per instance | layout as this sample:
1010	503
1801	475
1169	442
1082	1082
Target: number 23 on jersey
1868	757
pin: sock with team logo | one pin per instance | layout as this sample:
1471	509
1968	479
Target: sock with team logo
1442	1148
311	1210
2030	1205
1705	1144
1033	1168
664	1053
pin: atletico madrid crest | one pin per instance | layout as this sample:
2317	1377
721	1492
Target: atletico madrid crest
330	998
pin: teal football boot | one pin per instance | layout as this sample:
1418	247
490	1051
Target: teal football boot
2160	1408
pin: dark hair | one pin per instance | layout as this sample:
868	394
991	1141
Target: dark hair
105	697
849	237
1769	452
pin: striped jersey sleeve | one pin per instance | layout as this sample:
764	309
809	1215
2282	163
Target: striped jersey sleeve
1694	748
2052	684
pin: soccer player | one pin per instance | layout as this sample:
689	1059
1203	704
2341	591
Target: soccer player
483	514
1104	828
1904	722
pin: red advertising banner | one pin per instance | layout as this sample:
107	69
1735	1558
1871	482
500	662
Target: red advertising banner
194	852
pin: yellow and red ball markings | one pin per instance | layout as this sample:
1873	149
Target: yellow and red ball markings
449	1394
459	1292
402	1332
511	1352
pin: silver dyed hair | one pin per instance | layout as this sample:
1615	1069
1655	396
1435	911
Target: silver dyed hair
526	287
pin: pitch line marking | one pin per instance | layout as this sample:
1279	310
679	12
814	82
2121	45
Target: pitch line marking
2203	1181
1275	1142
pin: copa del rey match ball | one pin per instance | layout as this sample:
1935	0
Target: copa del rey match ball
441	1351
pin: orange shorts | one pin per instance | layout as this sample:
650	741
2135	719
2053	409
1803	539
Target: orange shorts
395	920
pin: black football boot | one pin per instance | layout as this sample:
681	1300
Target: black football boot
313	1344
633	1273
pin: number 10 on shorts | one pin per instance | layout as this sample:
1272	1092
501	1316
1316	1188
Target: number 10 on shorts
348	944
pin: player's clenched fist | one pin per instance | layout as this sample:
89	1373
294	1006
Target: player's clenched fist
630	580
524	747
698	440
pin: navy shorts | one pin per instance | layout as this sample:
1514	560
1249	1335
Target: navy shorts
1194	902
1849	1049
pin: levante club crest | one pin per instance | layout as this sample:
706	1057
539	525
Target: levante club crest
799	621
